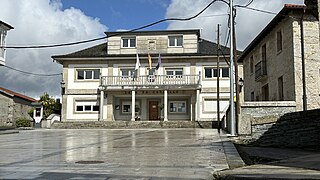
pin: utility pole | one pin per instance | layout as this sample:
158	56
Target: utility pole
232	113
236	74
218	76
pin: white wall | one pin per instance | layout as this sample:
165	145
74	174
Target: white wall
87	84
80	116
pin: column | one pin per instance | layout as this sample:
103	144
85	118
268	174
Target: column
191	113
133	105
101	105
165	107
197	106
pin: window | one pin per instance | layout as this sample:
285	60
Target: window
279	41
265	93
225	72
152	45
127	73
280	88
128	42
212	72
175	41
88	74
251	64
264	59
177	107
174	72
210	105
252	96
87	106
126	107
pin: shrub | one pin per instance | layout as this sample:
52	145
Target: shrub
23	122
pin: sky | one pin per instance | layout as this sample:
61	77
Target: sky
43	22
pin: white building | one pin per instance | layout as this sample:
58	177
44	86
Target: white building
106	83
4	28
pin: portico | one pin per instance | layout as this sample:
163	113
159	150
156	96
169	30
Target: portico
148	105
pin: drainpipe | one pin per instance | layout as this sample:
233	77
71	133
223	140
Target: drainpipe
304	92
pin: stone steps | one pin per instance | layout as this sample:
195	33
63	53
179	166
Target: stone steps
132	124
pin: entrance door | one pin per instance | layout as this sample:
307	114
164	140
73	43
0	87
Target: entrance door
153	110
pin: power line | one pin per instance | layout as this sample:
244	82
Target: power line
248	4
258	10
115	34
33	74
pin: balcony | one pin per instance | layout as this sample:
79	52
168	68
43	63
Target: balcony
260	71
151	81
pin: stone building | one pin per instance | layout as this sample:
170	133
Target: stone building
272	62
13	105
145	75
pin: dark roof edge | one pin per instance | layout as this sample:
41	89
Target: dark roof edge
7	25
281	15
134	55
152	32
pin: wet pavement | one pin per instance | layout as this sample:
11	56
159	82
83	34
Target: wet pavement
114	154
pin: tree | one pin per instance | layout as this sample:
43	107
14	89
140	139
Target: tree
50	106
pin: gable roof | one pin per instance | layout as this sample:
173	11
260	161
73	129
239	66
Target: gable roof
12	94
274	22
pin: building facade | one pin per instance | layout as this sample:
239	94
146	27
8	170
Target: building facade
146	75
4	28
13	105
273	64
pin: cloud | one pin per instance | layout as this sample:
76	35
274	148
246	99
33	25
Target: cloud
42	22
248	23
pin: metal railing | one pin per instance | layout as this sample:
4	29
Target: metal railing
151	80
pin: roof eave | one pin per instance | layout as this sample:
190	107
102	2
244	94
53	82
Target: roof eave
269	27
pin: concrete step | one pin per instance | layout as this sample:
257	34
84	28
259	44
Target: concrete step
133	124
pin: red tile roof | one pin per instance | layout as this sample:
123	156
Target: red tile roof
294	6
7	91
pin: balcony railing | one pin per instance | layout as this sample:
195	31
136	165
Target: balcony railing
260	71
151	81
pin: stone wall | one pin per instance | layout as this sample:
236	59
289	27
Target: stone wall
12	108
312	63
6	111
254	114
292	130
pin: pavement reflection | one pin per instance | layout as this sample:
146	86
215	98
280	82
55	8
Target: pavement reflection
143	153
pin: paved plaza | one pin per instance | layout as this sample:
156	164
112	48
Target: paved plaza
114	154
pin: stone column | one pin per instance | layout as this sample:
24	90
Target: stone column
133	105
197	110
165	107
191	113
101	105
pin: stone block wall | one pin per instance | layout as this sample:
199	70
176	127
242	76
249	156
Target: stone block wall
12	108
254	114
292	130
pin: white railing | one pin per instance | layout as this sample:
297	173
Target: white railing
151	80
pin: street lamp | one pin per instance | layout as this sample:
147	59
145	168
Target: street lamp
240	83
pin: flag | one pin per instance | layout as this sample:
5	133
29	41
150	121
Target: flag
137	63
150	62
159	62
